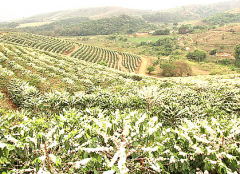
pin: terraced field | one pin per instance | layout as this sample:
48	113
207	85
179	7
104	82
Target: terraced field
84	52
73	116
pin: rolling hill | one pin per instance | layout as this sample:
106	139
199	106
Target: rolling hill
191	12
92	13
61	114
123	24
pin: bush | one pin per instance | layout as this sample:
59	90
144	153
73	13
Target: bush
198	55
176	69
150	69
225	61
213	52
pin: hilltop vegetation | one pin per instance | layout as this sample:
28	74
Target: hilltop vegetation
223	18
92	13
105	26
191	12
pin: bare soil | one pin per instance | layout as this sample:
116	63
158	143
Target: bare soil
7	102
120	64
143	66
71	51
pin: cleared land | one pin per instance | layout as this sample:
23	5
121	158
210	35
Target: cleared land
34	24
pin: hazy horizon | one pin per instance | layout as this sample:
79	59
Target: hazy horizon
13	9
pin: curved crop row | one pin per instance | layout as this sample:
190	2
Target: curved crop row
130	61
95	55
39	42
80	117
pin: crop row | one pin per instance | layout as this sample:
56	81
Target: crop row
96	55
96	119
39	42
130	61
85	52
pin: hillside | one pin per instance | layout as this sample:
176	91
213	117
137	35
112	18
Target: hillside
113	59
92	13
71	116
231	16
224	39
184	13
82	27
191	12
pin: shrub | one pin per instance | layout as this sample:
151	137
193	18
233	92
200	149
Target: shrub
150	69
225	61
136	78
176	69
198	55
213	52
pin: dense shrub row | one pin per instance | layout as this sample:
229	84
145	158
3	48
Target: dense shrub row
78	117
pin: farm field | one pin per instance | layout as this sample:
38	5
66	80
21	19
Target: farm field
62	114
224	39
77	50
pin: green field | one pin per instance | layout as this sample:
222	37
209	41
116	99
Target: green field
68	115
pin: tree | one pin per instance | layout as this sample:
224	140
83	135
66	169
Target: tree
198	55
237	55
162	32
150	69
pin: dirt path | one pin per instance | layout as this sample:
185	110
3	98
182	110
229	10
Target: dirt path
143	66
120	64
71	51
7	102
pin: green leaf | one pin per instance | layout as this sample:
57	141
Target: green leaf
96	172
6	152
37	165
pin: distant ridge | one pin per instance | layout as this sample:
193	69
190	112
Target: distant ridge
92	13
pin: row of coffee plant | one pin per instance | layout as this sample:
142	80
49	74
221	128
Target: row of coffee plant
84	52
96	55
79	117
130	61
37	41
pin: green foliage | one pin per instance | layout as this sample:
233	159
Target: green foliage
198	55
103	63
176	69
162	32
79	142
223	18
185	29
150	69
112	37
165	46
222	47
213	52
175	23
84	118
225	61
237	55
105	26
237	51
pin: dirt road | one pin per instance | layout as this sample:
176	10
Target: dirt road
143	66
71	51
